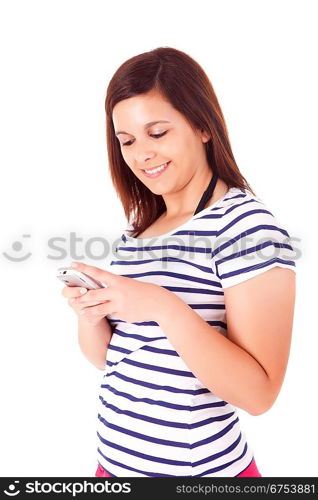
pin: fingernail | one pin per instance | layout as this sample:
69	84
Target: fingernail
72	300
83	290
74	264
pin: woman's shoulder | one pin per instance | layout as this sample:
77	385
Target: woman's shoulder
239	196
250	239
243	208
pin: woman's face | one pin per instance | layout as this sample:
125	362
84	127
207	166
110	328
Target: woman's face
177	143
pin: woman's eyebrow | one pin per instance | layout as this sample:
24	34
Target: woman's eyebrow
146	126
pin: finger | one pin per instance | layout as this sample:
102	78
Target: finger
98	295
74	302
73	291
73	305
96	311
95	272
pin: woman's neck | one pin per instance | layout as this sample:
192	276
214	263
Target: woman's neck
182	205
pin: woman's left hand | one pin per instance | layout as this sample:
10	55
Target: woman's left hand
127	298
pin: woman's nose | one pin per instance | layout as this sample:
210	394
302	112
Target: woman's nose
143	155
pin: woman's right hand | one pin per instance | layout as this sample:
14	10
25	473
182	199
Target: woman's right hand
71	292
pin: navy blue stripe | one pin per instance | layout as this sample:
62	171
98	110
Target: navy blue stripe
136	336
154	474
167	442
218	323
143	437
147	248
176	390
248	214
174	275
135	453
228	210
256	266
208	405
193	290
219	454
161	369
184	247
205	269
207	306
169	352
240	205
219	208
223	466
243	235
153	458
180	246
192	232
216	436
234	197
241	217
163	403
128	467
166	423
141	323
211	215
138	416
254	249
113	347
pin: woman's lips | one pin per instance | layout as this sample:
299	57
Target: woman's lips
153	176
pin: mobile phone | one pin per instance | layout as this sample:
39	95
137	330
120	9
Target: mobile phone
72	277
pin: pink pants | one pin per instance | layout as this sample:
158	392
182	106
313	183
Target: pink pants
250	471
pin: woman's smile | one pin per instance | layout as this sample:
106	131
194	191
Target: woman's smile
153	173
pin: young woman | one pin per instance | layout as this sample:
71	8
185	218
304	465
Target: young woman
197	316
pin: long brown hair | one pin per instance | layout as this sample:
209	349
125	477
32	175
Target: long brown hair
182	81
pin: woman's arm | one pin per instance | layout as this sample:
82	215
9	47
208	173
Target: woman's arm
247	368
94	341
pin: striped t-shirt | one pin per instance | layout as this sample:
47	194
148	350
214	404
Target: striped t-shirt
155	418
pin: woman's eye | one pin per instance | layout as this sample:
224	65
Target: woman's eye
156	136
159	135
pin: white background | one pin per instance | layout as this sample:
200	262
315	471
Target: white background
57	58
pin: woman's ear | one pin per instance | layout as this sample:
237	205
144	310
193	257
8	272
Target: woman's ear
204	136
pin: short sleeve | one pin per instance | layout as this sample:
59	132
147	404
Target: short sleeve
249	241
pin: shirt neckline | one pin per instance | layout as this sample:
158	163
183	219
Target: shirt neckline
197	215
